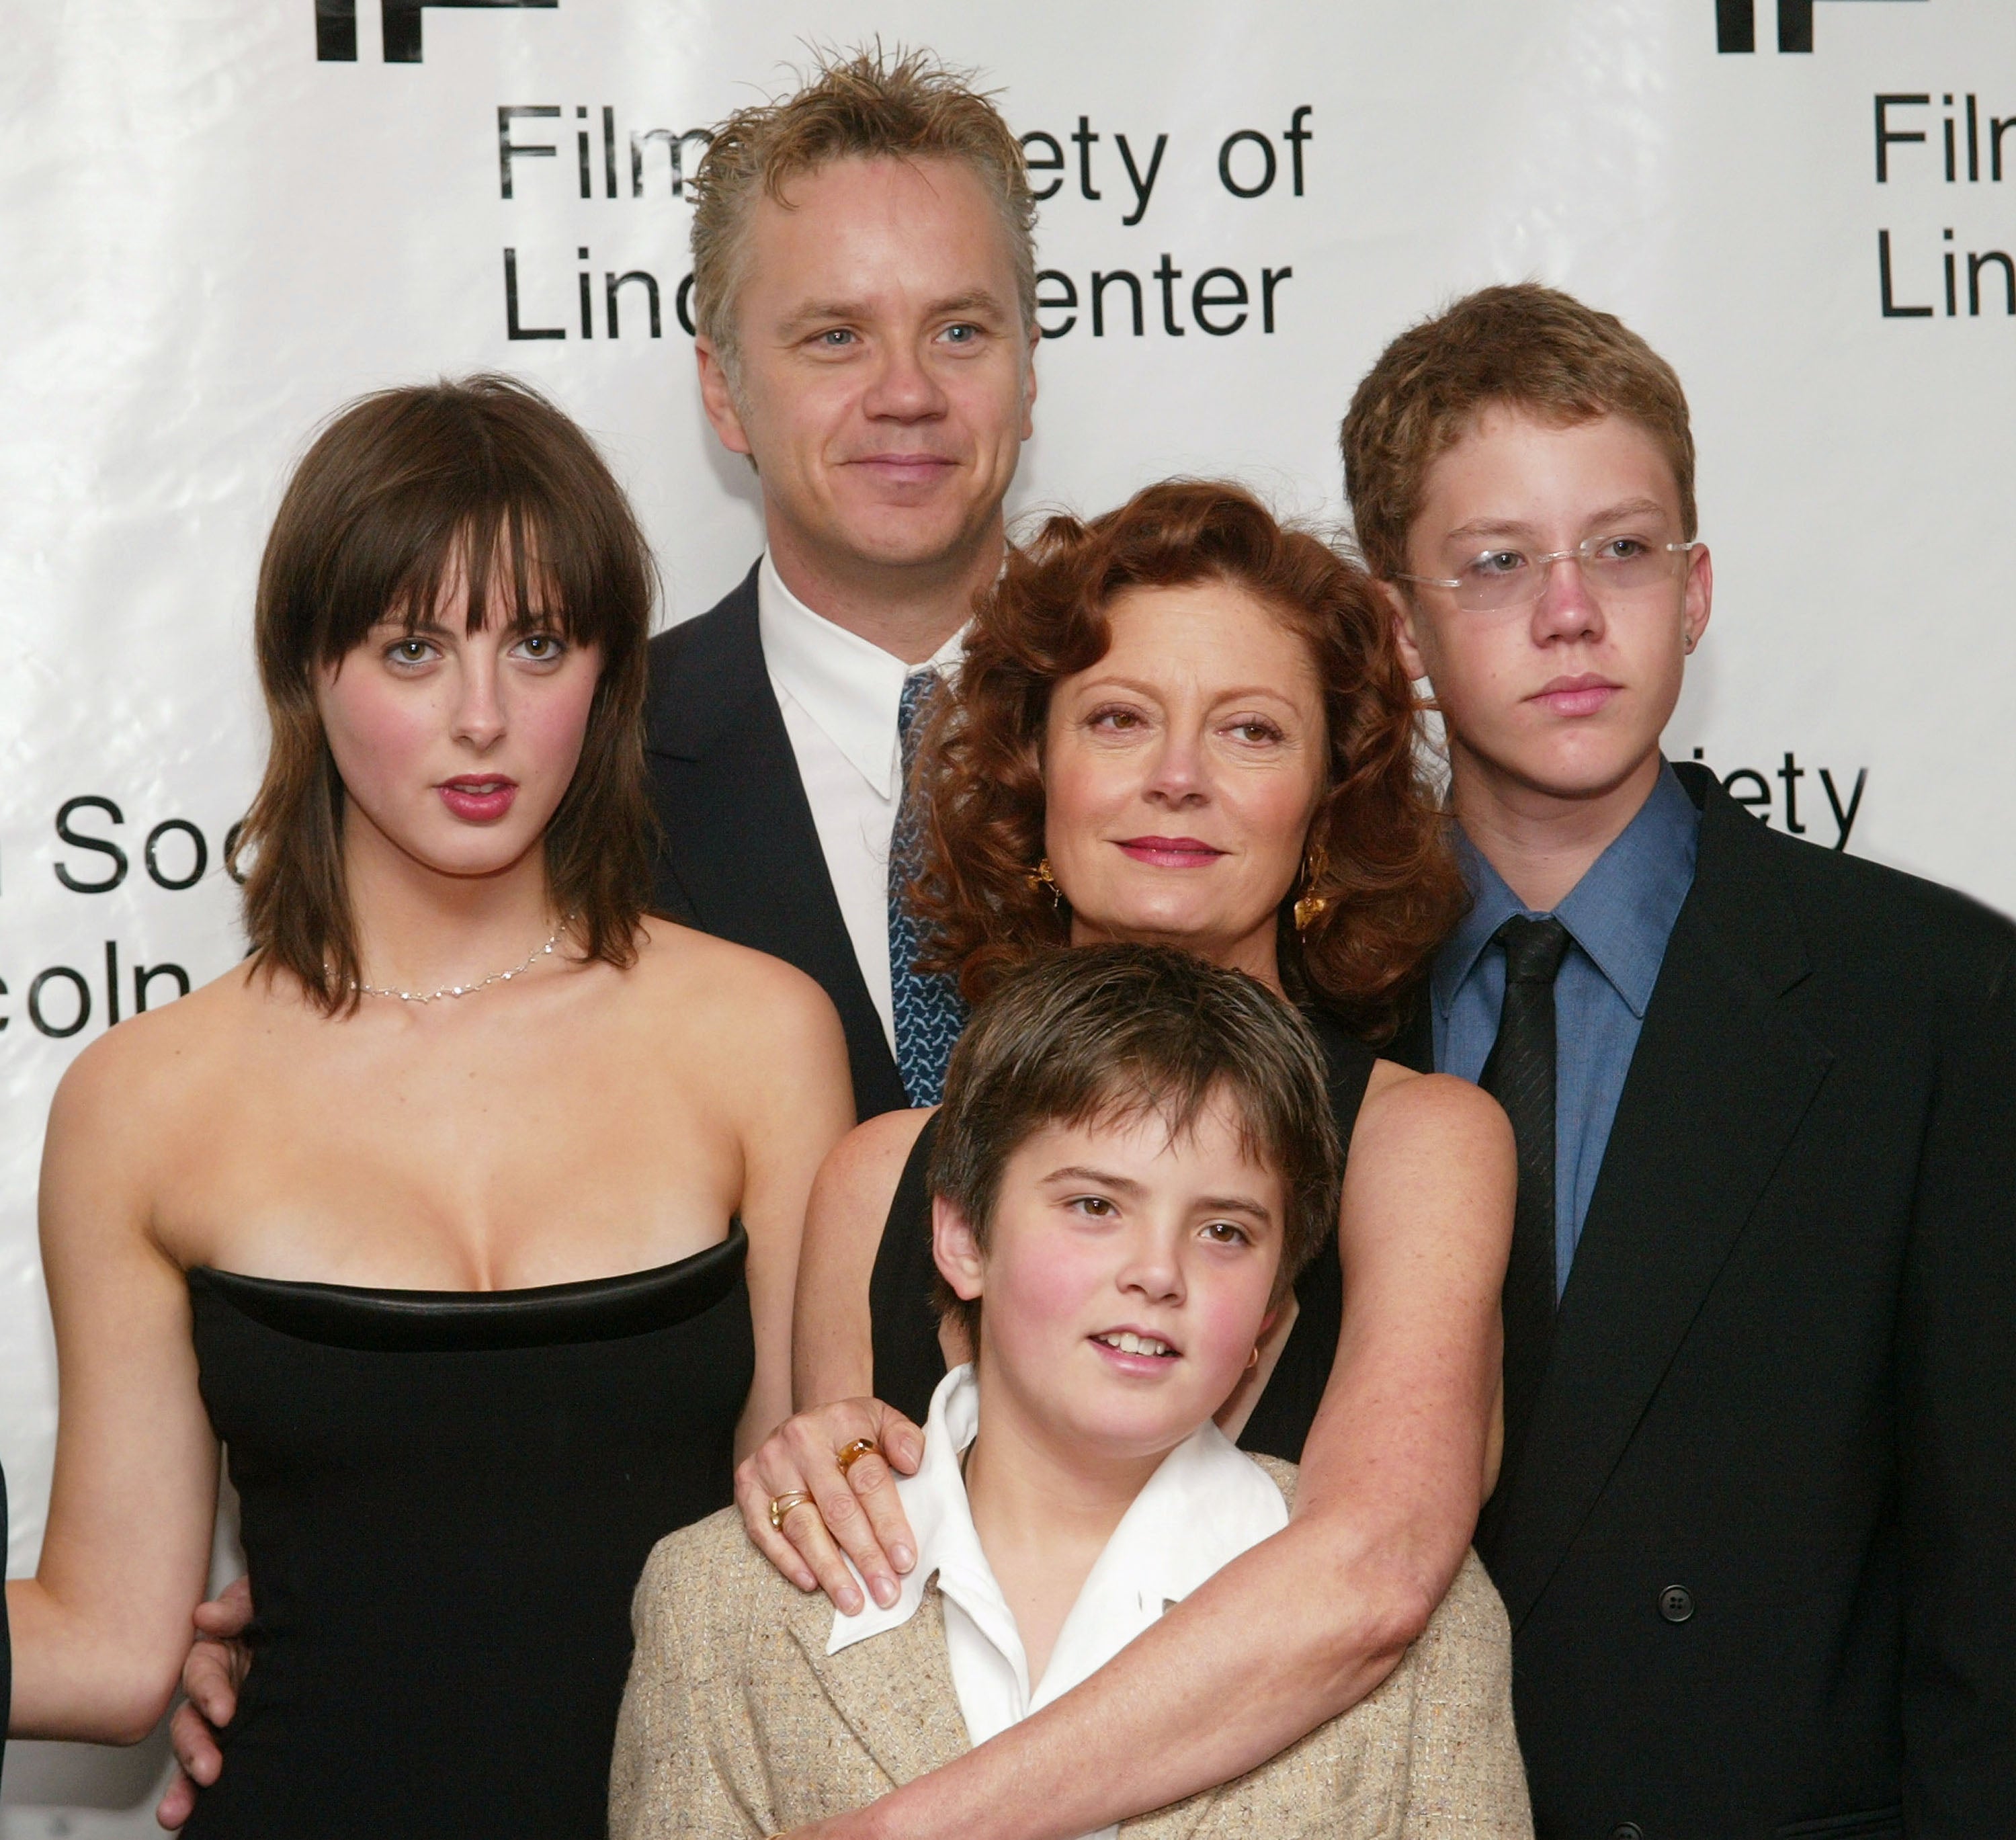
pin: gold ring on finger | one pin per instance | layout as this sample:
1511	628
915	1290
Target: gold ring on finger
781	1505
852	1453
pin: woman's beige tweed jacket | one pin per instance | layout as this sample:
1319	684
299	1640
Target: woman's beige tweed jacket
736	1722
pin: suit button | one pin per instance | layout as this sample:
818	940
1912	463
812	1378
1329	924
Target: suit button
1627	1830
1676	1605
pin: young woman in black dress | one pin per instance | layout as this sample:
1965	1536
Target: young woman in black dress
447	1212
1183	724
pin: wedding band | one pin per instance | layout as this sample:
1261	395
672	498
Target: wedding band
781	1505
853	1453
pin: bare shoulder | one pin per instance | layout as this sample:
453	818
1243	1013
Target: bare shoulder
157	1070
689	984
1429	1112
869	1160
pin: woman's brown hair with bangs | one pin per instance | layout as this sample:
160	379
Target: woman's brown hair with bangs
406	495
1378	846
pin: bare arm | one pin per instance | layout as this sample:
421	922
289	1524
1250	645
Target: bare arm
796	1104
100	1632
1300	1629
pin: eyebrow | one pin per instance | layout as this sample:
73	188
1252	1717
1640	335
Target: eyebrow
1233	695
1104	1177
1506	527
1235	1204
812	312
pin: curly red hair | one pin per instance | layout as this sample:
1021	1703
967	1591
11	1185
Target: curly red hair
1389	883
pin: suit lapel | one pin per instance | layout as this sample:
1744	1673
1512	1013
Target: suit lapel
893	1691
1721	1079
740	857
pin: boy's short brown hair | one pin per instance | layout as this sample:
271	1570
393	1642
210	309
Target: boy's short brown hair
1525	347
1108	1032
906	105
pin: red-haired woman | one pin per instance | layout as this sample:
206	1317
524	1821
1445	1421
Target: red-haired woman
1185	724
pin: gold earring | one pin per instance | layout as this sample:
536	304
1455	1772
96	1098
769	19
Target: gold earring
1312	904
1044	879
1253	1359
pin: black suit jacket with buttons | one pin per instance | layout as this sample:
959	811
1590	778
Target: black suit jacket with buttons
1759	1552
738	854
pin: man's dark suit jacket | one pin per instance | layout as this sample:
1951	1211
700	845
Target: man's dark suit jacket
1760	1550
739	856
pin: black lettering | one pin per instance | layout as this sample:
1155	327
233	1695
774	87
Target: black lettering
1946	127
1201	301
1973	141
611	281
581	154
1099	284
1065	303
1790	771
336	35
1082	140
1269	280
104	846
675	145
199	859
144	975
1267	169
1142	186
43	980
1974	265
4	1020
1887	137
1168	277
231	837
512	329
111	985
608	151
1953	285
1296	135
682	305
1053	162
587	309
1891	309
1995	131
1761	797
1845	820
508	149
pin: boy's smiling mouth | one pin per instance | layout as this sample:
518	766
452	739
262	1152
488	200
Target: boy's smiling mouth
1127	1342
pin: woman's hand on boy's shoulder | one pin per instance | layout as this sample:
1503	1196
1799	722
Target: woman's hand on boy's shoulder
854	1510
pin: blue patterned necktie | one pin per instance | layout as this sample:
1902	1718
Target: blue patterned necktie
929	1012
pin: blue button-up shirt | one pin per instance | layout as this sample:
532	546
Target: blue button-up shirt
1619	917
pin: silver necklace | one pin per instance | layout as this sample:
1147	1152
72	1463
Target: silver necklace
429	996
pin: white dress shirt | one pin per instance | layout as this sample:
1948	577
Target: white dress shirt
840	695
1206	1503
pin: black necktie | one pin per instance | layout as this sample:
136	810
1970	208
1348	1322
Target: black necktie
1519	1075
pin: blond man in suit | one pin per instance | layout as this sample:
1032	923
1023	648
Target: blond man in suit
1135	1159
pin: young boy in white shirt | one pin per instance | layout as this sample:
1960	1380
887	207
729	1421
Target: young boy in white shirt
1135	1159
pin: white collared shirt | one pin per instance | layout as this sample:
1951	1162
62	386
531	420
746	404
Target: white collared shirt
1206	1503
840	695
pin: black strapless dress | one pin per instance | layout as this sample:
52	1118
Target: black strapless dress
909	1363
446	1499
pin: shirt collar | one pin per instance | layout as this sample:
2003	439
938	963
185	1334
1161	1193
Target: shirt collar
1621	913
1206	1504
852	688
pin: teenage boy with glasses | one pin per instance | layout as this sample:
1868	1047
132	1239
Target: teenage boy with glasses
1756	1524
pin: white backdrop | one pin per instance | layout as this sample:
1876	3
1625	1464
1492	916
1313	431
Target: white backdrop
210	235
